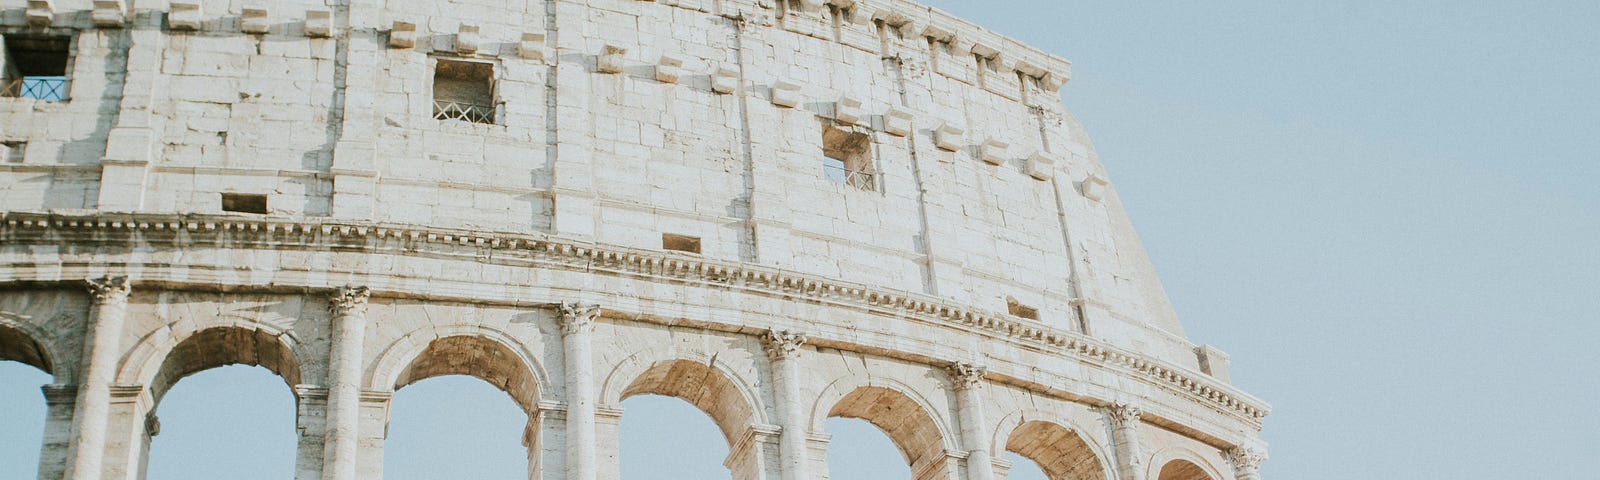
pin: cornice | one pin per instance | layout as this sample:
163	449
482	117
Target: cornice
559	253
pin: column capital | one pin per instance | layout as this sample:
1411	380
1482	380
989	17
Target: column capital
1247	459
578	317
965	375
349	300
782	344
1124	414
109	290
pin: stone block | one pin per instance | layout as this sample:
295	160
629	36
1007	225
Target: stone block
1093	187
785	94
319	23
1041	165
847	110
403	35
898	122
725	80
531	47
184	15
40	13
669	69
949	137
612	59
994	151
253	19
467	39
108	14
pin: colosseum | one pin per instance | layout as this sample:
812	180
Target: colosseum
779	211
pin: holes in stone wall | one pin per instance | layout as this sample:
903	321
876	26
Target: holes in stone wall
680	243
1018	309
244	203
847	158
463	91
34	66
11	152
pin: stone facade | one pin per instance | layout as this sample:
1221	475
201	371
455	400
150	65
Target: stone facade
779	211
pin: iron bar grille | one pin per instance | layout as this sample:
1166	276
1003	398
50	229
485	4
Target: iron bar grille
837	172
461	111
49	89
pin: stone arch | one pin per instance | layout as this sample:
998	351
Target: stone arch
709	386
144	360
1058	447
897	410
20	342
220	346
493	356
1181	464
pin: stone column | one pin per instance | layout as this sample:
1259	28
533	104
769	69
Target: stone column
1247	462
967	380
577	326
783	349
99	369
340	440
1125	434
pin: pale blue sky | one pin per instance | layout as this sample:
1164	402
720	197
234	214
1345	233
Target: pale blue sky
1387	212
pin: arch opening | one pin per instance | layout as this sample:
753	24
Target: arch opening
859	450
668	437
711	391
1182	470
912	429
1058	451
477	357
463	363
17	346
223	346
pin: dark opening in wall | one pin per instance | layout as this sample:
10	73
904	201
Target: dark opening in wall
34	66
847	158
463	91
244	203
11	152
680	243
1016	308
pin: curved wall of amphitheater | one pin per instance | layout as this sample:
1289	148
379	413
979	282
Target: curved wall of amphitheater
777	211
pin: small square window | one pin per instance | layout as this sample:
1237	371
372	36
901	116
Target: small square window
244	203
1016	308
463	91
847	158
11	152
680	243
34	66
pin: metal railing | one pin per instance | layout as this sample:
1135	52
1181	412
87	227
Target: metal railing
49	89
861	179
462	111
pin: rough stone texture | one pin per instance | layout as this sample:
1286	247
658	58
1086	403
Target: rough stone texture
613	122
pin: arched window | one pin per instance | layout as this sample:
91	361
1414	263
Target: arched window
455	426
667	438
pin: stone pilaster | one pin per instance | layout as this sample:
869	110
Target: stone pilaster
311	423
340	440
577	330
1247	462
783	349
100	353
1125	434
967	380
58	401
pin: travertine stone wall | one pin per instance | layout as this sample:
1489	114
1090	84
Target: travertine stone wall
612	123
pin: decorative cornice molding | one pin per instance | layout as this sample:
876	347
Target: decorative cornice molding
349	301
577	317
110	290
1124	414
781	345
965	376
558	253
1247	459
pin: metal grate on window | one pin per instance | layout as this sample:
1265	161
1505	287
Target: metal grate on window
49	89
465	112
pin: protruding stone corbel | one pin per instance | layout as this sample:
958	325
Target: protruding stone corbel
403	35
1041	165
611	60
847	110
948	137
108	14
725	80
669	69
785	93
319	23
898	122
811	6
1093	187
40	13
531	47
253	19
994	151
185	15
467	39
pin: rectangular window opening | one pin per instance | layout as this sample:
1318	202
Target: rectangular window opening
680	243
34	66
847	158
463	91
1017	309
11	152
244	203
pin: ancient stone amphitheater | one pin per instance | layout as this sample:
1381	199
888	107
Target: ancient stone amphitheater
779	211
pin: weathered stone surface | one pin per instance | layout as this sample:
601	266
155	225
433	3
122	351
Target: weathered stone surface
486	189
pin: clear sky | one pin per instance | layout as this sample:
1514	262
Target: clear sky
1388	212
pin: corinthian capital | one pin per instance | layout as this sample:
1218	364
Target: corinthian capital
1124	414
1247	459
965	375
577	317
349	300
782	344
109	290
